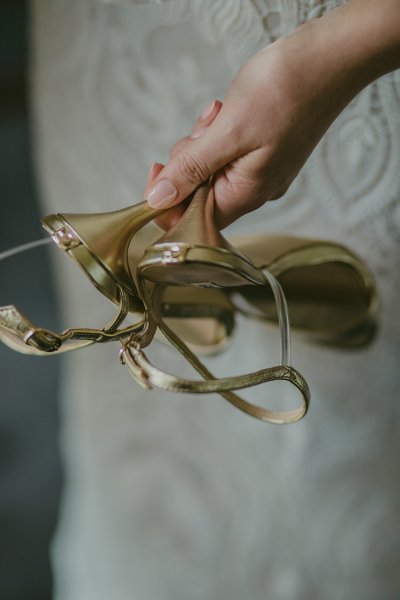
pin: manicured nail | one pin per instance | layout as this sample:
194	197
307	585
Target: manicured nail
207	112
151	172
154	170
198	133
162	194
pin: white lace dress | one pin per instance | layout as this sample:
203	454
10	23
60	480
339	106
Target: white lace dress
185	498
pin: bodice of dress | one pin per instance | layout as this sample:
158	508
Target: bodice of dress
204	503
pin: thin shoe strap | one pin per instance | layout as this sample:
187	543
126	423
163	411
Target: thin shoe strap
147	375
24	248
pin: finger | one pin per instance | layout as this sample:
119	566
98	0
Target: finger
207	116
170	217
220	143
179	146
198	129
155	169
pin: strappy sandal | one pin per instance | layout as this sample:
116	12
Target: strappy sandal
164	284
194	253
331	293
99	244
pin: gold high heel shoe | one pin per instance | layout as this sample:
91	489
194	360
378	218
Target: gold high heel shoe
99	244
164	284
194	253
331	293
102	255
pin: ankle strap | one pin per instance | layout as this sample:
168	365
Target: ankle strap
147	375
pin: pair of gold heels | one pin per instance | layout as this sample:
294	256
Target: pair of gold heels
331	292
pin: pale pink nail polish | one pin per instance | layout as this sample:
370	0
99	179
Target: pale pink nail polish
207	112
162	194
154	170
151	171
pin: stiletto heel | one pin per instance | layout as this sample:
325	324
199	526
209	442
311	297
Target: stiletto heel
99	243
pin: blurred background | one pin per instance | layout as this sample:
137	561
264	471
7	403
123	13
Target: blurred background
30	474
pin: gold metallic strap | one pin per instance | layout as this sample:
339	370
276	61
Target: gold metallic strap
17	332
20	334
147	376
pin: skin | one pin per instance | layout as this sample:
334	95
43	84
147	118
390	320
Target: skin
277	109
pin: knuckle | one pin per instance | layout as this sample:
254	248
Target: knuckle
178	147
193	170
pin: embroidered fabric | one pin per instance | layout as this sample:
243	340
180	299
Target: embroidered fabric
209	504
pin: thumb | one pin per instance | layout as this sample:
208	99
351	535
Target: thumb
200	158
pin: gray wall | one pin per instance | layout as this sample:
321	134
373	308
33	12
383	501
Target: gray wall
30	475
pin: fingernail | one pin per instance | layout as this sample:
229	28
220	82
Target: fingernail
162	194
198	133
208	110
155	167
151	171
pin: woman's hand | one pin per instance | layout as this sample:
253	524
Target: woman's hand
277	109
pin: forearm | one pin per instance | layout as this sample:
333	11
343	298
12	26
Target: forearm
376	26
332	58
365	37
